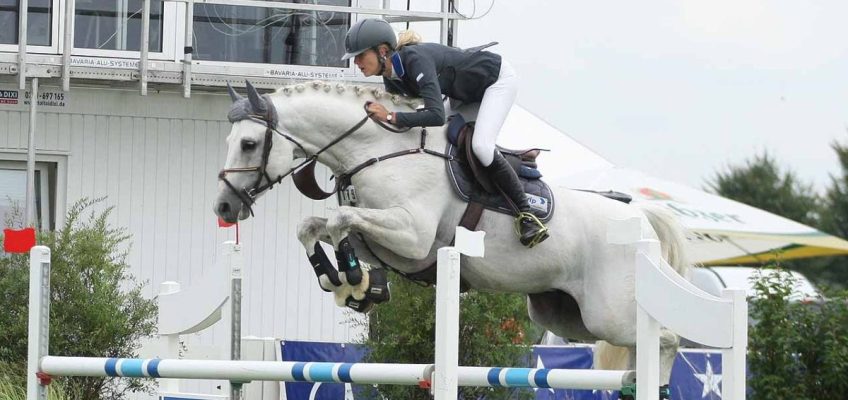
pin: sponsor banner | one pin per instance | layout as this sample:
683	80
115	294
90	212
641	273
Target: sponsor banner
45	98
119	63
696	373
290	73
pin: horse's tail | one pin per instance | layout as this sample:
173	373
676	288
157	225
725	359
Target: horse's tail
672	237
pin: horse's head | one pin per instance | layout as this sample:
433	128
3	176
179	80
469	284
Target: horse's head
316	121
258	155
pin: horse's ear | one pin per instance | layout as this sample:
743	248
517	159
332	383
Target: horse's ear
256	101
233	95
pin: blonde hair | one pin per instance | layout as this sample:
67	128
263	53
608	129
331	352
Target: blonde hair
407	37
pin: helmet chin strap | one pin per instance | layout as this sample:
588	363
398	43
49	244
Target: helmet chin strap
382	60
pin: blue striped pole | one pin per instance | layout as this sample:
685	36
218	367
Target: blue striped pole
545	378
287	371
360	373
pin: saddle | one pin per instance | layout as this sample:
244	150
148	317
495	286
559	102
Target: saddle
472	184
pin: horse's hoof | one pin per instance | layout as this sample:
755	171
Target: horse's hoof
378	286
362	306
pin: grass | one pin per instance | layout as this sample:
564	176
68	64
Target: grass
13	387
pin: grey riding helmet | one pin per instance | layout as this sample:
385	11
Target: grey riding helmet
367	34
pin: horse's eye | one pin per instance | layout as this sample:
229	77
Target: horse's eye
248	145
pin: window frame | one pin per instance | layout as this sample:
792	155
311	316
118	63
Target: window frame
59	161
56	20
347	72
170	30
43	191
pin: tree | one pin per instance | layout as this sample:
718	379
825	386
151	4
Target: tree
762	184
834	217
97	308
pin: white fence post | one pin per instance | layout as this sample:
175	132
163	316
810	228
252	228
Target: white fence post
444	379
39	318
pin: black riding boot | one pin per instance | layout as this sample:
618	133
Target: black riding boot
530	230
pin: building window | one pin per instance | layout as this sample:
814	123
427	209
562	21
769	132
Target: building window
13	194
116	25
270	36
39	22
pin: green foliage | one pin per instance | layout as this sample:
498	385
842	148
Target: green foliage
494	331
13	387
834	220
835	215
762	184
97	309
796	350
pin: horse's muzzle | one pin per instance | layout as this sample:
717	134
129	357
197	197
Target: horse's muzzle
230	212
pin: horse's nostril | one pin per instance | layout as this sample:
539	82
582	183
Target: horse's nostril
223	208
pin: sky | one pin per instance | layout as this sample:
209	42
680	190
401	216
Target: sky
681	89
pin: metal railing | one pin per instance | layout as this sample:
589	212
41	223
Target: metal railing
180	71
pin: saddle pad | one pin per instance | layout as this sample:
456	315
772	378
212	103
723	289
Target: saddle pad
538	192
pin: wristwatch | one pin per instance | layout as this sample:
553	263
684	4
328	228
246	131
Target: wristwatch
390	117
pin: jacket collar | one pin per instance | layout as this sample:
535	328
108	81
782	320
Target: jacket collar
397	66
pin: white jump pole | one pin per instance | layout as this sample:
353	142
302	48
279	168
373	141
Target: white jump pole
359	373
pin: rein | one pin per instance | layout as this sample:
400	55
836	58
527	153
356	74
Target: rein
303	174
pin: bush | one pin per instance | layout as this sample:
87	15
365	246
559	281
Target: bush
494	331
96	310
797	350
12	387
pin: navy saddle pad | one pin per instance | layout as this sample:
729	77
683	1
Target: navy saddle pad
466	186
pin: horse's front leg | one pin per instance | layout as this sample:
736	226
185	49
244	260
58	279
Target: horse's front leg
372	289
395	229
311	231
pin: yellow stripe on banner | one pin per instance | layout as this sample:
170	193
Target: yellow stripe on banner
786	253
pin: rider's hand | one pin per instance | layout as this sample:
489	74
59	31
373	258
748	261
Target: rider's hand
378	111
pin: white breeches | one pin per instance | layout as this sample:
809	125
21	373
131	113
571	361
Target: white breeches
496	103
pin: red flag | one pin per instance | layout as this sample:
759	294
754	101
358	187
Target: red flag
225	224
18	241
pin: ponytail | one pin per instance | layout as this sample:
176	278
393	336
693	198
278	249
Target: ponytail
407	37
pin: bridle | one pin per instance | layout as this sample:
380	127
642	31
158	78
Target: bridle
303	173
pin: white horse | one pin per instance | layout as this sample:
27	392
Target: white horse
578	285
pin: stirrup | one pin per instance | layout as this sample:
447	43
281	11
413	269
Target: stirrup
540	235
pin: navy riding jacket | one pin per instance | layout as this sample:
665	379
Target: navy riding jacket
430	70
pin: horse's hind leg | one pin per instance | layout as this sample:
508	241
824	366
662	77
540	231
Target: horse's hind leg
669	342
558	312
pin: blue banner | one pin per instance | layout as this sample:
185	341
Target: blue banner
324	352
696	374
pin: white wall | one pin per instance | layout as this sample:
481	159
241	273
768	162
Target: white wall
156	159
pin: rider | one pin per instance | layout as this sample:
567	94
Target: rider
429	70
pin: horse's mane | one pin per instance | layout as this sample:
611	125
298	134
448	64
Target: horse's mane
340	88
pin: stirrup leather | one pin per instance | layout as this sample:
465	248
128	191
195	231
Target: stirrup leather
541	235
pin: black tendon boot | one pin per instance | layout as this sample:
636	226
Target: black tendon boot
529	229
